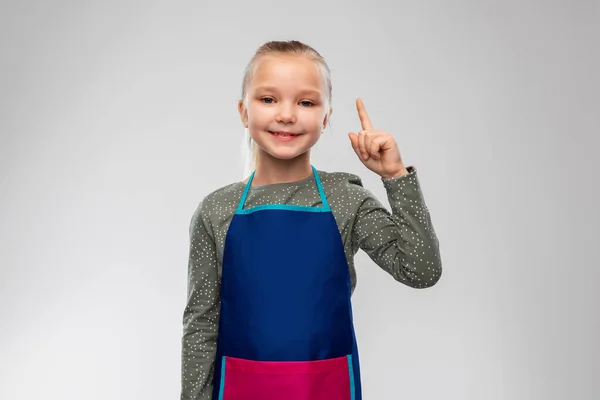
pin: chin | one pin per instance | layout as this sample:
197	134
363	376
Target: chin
283	152
286	155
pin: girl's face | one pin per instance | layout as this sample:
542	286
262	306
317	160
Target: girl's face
286	106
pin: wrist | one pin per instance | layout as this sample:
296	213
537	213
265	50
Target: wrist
397	174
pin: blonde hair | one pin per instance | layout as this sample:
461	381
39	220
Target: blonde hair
291	47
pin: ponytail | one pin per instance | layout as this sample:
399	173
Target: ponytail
249	154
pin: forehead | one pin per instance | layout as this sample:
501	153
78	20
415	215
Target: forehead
288	72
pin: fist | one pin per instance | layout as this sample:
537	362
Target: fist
376	149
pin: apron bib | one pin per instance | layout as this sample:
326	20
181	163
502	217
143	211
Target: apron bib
285	327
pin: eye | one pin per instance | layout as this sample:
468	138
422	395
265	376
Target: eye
266	98
309	103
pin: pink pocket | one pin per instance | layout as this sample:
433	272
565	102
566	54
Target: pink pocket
330	379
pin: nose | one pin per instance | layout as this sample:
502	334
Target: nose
286	113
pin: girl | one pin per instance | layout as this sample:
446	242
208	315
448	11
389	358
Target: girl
271	268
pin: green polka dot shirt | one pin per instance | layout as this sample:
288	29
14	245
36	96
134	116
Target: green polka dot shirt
401	241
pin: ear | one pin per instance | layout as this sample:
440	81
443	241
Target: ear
327	116
243	113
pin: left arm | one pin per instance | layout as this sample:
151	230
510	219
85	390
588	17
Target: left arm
403	242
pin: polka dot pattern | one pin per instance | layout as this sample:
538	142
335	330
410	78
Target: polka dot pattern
401	242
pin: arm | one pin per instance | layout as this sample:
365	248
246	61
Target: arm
404	242
200	317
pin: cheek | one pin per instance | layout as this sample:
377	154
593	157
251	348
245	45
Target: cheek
316	121
257	114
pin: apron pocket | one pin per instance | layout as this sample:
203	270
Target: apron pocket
330	379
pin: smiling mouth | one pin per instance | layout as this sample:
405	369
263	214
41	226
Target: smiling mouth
284	134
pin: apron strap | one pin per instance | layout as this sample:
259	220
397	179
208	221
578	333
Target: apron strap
320	187
317	179
245	194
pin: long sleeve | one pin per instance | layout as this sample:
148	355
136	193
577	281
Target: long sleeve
403	242
200	317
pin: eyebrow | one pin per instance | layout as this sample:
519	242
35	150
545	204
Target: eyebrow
303	91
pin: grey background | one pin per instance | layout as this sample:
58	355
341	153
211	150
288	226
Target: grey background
116	118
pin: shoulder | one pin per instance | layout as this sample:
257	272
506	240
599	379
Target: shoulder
339	180
344	184
222	197
217	204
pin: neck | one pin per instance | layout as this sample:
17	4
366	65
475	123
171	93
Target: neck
272	170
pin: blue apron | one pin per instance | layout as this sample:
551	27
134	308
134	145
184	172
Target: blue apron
286	327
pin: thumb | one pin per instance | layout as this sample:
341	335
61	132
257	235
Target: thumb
354	141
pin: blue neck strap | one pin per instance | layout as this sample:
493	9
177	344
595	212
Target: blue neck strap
317	179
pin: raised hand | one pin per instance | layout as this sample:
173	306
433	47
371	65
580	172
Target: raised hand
376	149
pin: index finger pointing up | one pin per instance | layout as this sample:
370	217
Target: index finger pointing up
362	114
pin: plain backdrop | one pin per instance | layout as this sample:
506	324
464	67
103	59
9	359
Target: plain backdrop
118	117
